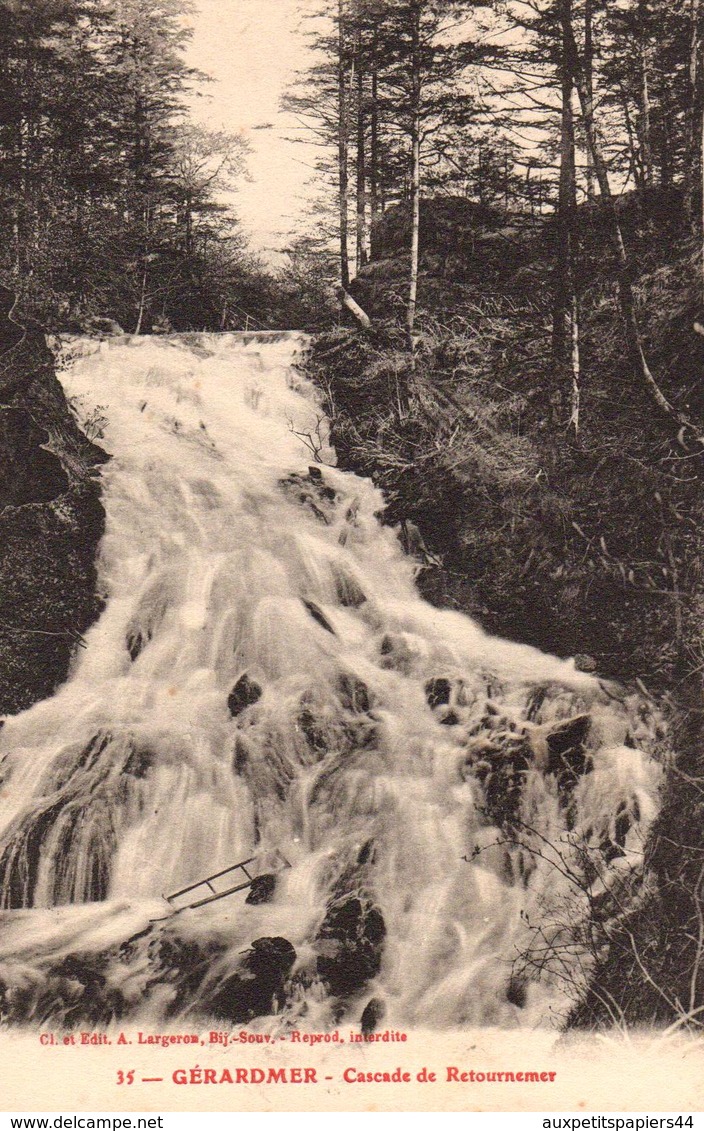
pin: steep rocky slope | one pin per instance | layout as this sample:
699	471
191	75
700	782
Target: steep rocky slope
51	519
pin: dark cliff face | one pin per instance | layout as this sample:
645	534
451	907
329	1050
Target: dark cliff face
51	520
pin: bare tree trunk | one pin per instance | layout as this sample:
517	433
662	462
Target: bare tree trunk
627	299
529	190
644	64
142	297
343	146
145	269
561	298
589	76
668	113
415	177
566	351
481	189
361	231
693	112
374	202
575	368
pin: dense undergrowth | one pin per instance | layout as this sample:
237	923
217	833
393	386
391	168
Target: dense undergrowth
586	545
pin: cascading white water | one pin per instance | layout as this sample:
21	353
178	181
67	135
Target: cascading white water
451	782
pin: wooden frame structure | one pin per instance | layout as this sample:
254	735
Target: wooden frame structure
278	864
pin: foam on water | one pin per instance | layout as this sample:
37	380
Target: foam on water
396	751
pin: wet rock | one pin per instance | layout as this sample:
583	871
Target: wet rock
76	990
501	766
350	945
19	861
610	852
568	758
319	616
182	964
612	843
314	733
312	492
624	822
412	539
271	957
349	593
396	654
535	702
329	733
366	853
438	691
240	759
585	663
70	885
502	761
517	992
102	327
82	983
258	988
140	761
613	690
137	642
262	889
316	477
354	694
372	1016
450	719
245	693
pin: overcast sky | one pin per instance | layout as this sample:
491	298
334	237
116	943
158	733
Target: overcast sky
251	48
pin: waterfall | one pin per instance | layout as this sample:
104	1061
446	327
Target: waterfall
265	680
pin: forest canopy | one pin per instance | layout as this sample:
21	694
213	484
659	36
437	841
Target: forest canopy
111	198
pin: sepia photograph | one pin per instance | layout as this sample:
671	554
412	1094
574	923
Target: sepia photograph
351	582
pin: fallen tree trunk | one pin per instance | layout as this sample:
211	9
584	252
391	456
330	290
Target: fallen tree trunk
354	308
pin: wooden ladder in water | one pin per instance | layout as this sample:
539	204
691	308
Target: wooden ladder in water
207	891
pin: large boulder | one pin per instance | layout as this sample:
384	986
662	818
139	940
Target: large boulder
262	889
350	945
258	987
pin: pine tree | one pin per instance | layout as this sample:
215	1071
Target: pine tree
108	198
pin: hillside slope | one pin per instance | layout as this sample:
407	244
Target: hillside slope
585	545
